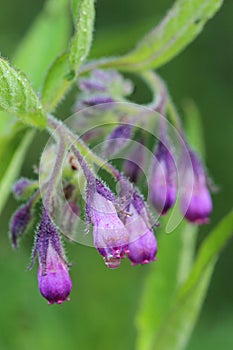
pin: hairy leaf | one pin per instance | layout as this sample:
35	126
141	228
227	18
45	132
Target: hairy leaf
182	24
64	69
18	97
6	120
81	42
75	10
57	82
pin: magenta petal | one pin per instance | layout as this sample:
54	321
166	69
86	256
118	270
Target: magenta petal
55	284
163	187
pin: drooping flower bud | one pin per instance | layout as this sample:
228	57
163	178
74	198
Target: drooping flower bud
97	100
24	188
135	162
109	81
196	202
142	243
109	232
102	87
92	85
118	139
19	223
163	186
54	281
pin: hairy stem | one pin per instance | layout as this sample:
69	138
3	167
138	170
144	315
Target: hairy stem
71	138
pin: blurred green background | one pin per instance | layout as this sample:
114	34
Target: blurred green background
102	310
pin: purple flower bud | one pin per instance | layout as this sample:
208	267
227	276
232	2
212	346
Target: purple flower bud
97	100
144	249
196	202
114	82
55	284
109	232
22	186
163	185
102	87
91	85
19	223
135	163
142	243
118	139
53	276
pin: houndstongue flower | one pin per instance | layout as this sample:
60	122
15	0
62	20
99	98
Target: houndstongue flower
109	232
163	185
196	202
54	281
142	243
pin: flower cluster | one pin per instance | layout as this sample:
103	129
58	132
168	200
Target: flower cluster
123	226
195	199
117	234
102	87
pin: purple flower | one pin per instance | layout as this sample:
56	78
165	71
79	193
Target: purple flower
19	223
196	202
109	232
53	276
142	243
163	185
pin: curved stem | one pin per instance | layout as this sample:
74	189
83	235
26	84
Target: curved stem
160	101
85	151
55	174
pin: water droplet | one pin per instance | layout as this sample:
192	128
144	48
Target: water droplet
112	262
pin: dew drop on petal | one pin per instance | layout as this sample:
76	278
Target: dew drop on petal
112	262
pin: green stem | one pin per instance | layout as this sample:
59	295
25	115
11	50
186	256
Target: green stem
173	115
56	125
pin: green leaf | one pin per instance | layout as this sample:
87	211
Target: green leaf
13	159
63	71
182	24
6	121
75	10
57	83
178	325
18	97
81	42
47	37
175	257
